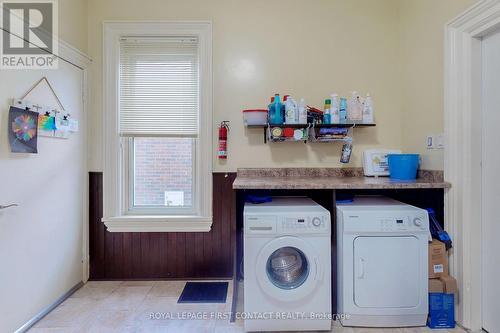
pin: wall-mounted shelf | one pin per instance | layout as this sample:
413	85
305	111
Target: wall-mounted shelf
314	125
268	127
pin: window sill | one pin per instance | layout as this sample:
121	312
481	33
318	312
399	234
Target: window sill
158	223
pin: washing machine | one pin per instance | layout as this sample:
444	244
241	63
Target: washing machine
382	263
287	265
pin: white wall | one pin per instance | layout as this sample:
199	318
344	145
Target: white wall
302	47
422	81
73	17
390	48
41	240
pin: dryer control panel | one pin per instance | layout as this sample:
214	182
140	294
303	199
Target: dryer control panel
401	223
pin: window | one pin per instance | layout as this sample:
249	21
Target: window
161	174
157	91
158	112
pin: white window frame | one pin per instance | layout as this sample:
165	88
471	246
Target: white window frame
115	175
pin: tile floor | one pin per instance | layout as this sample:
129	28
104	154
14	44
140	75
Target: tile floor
115	306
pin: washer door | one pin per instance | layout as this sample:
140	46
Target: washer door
288	269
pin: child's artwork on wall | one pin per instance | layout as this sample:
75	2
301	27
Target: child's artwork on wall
51	123
23	130
46	125
28	120
62	128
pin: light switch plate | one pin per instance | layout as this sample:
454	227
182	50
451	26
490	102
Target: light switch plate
435	141
430	141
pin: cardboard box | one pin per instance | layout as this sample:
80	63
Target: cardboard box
441	310
436	286
438	260
450	285
445	285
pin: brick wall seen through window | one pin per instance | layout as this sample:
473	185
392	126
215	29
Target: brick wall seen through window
163	169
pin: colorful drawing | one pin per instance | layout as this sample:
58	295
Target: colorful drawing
23	127
62	128
46	125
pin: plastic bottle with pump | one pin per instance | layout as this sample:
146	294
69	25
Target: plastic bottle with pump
290	111
302	112
334	109
368	110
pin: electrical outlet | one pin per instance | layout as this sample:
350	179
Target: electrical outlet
439	141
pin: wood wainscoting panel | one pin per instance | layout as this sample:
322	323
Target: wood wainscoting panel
164	255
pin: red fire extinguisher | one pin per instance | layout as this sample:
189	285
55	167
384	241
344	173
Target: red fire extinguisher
223	129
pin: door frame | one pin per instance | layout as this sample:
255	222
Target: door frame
463	68
82	61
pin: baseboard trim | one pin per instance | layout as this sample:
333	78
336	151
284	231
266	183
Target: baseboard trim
48	309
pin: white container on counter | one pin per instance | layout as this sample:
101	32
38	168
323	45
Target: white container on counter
375	161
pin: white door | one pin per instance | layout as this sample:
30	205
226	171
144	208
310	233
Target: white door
491	184
387	272
41	238
288	269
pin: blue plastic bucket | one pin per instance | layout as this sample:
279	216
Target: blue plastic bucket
403	166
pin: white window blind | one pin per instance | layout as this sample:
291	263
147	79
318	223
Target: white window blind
159	85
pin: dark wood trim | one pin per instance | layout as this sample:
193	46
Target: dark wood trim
129	256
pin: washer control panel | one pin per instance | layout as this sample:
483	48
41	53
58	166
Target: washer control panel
306	224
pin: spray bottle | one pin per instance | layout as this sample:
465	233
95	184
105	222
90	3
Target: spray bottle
302	112
368	110
334	109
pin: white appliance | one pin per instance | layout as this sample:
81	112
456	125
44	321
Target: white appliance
375	161
287	264
382	263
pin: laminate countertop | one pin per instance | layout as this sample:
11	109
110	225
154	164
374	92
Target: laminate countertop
332	178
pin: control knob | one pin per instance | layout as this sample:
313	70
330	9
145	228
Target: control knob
417	221
316	221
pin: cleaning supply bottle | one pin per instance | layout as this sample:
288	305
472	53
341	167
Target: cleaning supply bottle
354	108
327	117
290	111
368	110
343	111
275	111
269	110
334	109
302	112
283	112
